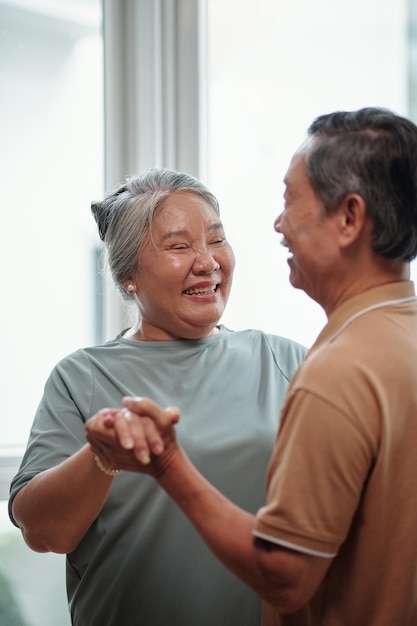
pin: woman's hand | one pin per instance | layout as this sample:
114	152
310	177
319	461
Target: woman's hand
138	438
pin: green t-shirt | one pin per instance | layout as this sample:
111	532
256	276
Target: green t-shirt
141	563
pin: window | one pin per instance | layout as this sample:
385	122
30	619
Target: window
51	168
273	67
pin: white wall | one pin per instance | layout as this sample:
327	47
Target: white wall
273	67
50	169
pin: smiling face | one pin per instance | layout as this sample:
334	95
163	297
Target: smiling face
307	231
184	271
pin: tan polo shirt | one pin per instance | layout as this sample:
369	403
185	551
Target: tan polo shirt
342	480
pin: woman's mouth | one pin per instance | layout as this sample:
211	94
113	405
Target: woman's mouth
197	290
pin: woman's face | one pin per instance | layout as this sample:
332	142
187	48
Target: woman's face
184	271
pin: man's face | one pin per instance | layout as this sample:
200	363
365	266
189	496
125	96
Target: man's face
307	232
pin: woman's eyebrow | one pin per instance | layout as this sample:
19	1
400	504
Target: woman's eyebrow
174	233
181	232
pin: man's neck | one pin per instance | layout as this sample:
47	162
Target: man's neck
383	272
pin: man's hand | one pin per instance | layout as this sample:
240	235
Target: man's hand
138	438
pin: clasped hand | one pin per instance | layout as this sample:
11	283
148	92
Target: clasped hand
138	438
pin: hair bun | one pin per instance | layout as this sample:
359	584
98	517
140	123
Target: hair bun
101	217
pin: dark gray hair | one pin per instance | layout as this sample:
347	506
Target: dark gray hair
371	152
125	216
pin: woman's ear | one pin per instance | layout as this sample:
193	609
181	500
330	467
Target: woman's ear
130	287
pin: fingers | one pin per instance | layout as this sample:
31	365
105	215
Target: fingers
122	424
142	425
99	427
138	434
173	413
142	428
149	408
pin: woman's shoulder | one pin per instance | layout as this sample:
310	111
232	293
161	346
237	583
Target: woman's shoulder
82	357
257	335
285	352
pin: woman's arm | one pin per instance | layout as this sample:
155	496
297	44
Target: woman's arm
56	508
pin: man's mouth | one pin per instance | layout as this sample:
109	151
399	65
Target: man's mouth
197	290
284	244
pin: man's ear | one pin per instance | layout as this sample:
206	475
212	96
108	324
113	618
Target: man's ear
352	219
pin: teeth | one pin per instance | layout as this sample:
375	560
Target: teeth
191	292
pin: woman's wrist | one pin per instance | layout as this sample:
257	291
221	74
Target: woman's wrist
106	470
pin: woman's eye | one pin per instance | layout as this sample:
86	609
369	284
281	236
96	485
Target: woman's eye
218	240
179	246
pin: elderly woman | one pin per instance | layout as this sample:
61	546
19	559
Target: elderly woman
132	557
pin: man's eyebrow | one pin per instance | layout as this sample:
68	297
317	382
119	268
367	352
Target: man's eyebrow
182	232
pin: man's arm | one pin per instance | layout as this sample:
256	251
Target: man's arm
287	579
284	578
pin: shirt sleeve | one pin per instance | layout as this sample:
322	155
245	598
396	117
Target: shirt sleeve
288	355
322	458
58	428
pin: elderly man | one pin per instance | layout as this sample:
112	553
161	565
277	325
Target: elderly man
336	542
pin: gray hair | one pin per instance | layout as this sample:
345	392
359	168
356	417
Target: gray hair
125	216
371	152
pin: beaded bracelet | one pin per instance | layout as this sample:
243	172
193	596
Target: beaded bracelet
106	470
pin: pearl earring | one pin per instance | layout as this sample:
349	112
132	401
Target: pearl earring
130	288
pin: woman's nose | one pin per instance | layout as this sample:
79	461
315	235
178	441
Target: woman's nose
205	263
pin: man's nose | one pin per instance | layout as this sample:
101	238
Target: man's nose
277	223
